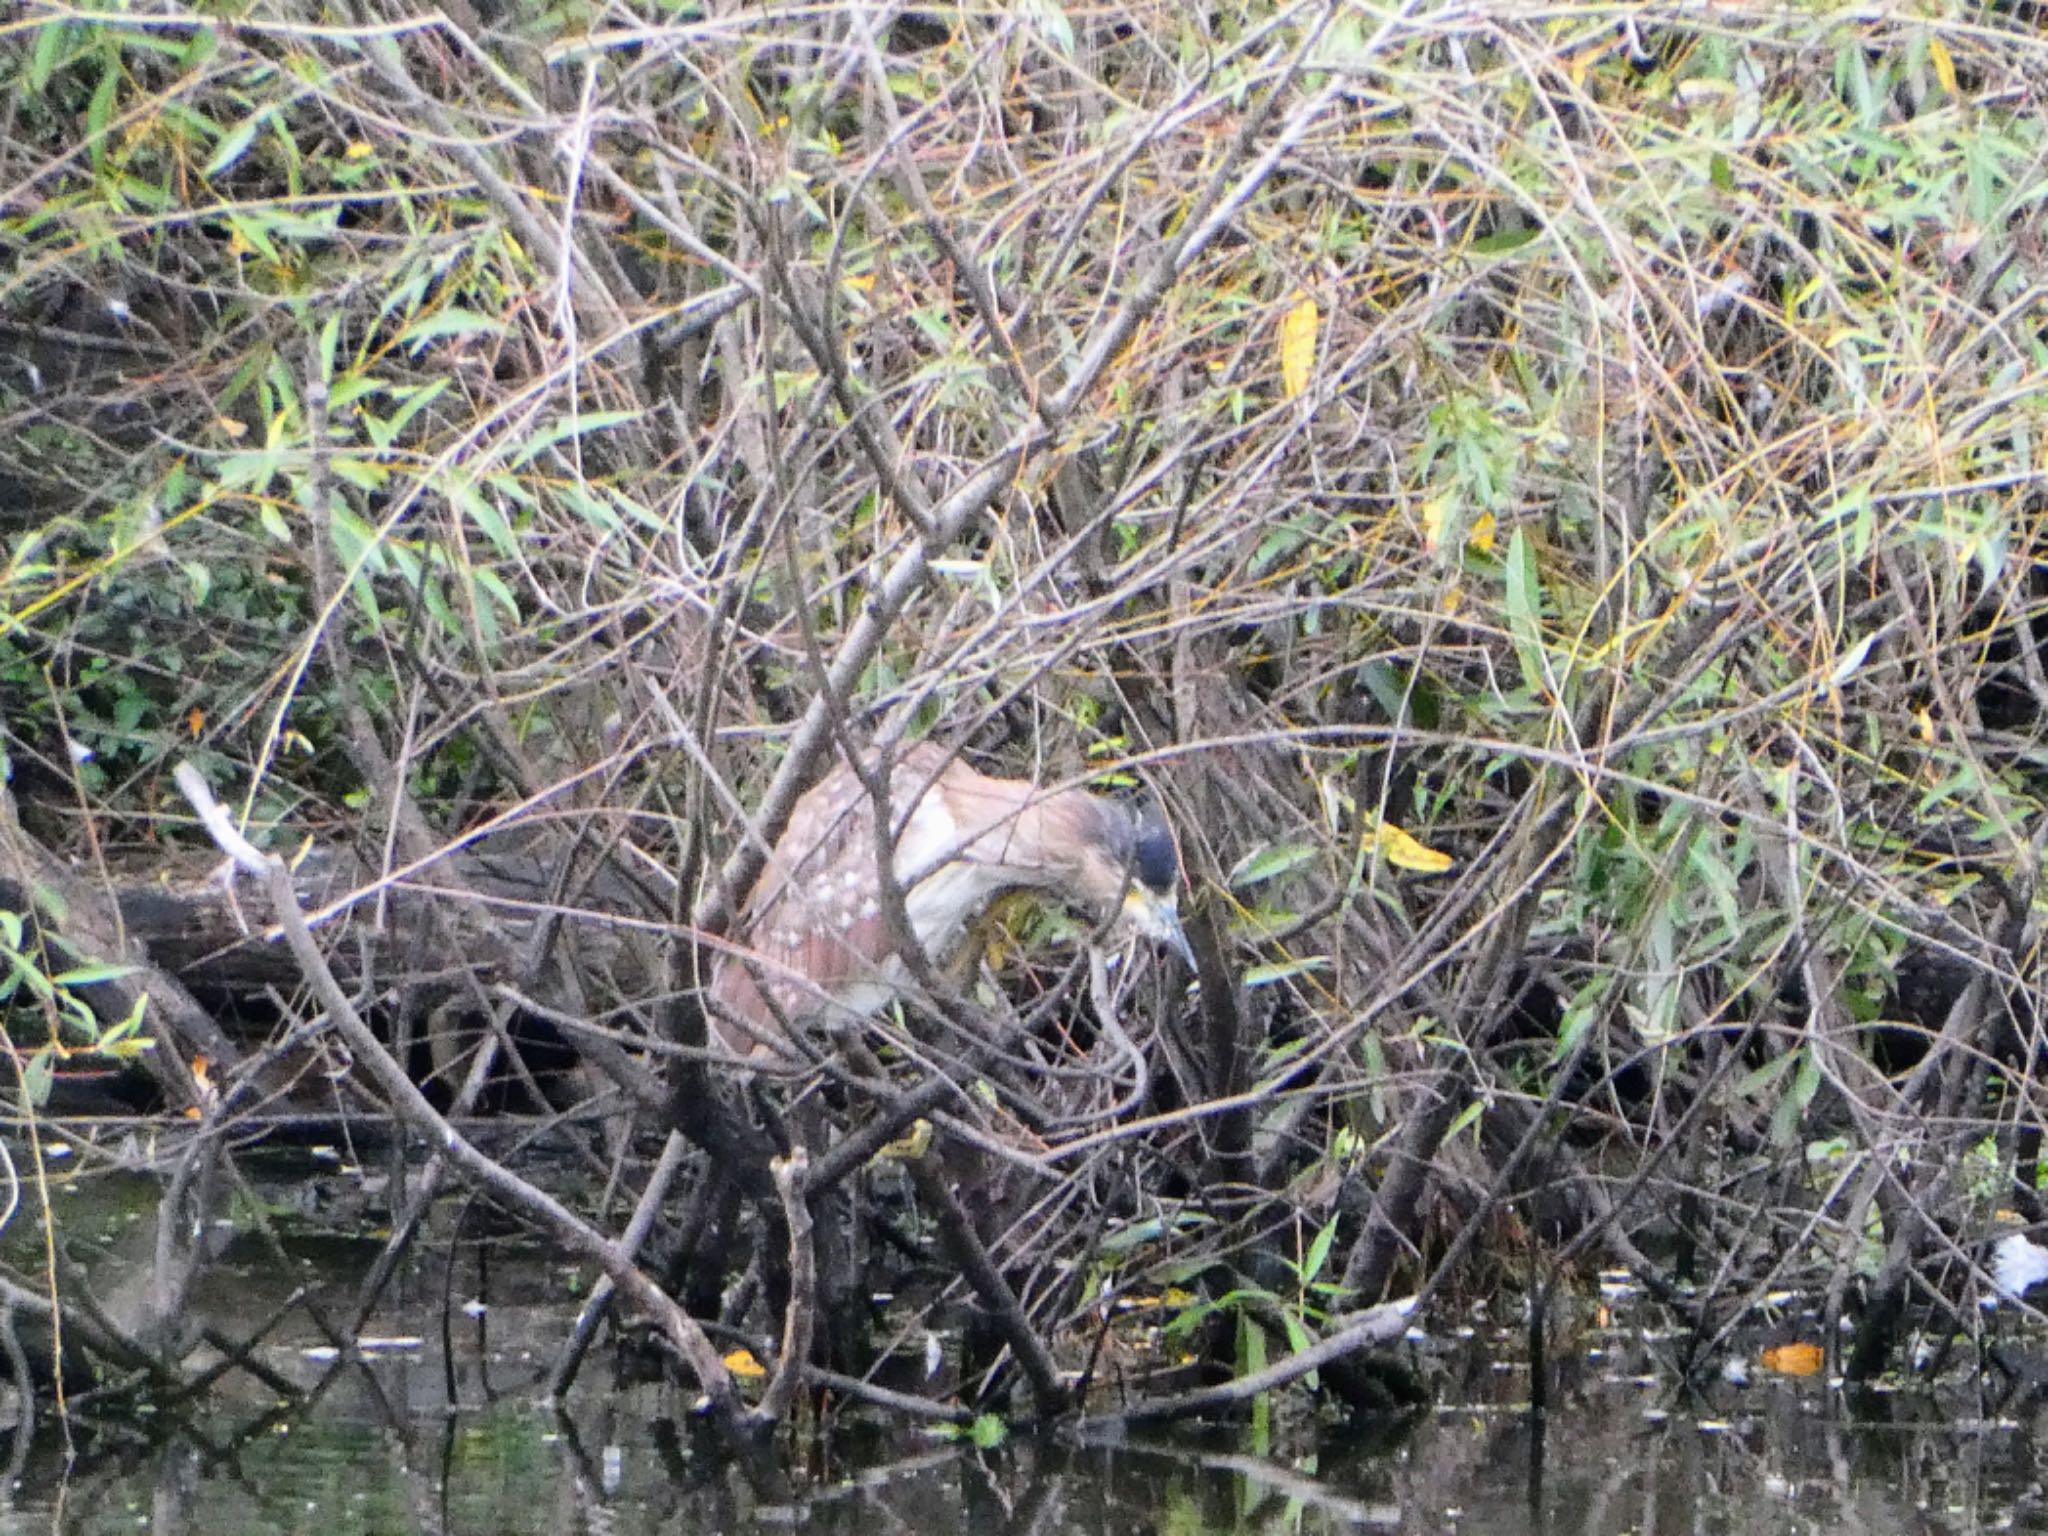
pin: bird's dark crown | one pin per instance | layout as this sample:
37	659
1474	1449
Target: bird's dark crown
1154	859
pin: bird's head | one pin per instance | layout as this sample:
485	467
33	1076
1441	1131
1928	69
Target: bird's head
1144	866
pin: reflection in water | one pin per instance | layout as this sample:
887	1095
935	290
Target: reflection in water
445	1435
1773	1457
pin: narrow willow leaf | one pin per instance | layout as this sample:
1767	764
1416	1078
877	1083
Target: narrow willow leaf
485	514
50	39
446	323
1524	602
233	146
1268	863
1944	65
1298	347
90	975
1280	970
577	426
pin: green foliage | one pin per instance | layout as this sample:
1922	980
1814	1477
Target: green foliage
1656	536
985	1432
29	990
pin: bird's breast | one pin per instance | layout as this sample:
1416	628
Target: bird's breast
946	901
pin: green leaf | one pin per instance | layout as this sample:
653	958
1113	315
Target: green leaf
256	232
50	39
234	145
573	426
1283	540
37	1076
484	512
1318	1253
1791	1109
363	474
1524	603
1281	970
1501	242
491	584
355	541
99	112
91	975
447	323
411	403
1268	863
116	1041
351	388
1467	1118
330	340
1298	1337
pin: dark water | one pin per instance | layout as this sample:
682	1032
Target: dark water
1789	1460
443	1433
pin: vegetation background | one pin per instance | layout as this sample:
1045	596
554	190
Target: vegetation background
1550	495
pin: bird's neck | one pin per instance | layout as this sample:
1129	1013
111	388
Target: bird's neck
995	837
1036	840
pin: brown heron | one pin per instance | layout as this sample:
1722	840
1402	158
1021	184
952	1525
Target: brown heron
814	941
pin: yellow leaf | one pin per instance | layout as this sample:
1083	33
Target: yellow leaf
1298	347
1403	852
358	151
741	1362
911	1147
1433	511
1795	1359
1944	65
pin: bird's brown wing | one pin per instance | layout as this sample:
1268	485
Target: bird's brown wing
812	925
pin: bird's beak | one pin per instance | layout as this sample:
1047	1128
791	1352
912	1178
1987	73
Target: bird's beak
1158	917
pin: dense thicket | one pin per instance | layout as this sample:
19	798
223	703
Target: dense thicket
1550	499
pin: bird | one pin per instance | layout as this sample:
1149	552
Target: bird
813	943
